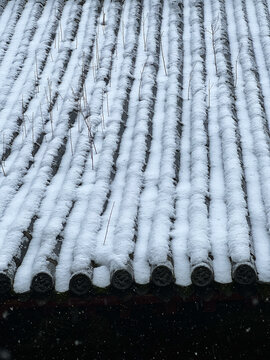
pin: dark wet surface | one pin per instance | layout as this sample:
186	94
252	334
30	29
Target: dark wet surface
153	329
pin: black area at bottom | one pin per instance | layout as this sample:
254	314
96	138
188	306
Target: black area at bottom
121	280
245	275
202	276
42	283
162	276
80	284
5	284
235	330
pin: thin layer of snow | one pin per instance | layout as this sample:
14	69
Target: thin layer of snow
109	219
85	248
217	206
255	106
164	211
180	229
125	229
199	245
255	200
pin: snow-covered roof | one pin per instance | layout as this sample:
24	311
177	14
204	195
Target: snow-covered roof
134	143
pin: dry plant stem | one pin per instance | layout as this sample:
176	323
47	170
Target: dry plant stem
103	21
3	170
90	136
51	120
108	224
61	33
97	30
107	99
212	32
214	46
143	33
94	74
36	63
84	99
102	115
83	63
24	130
23	120
116	51
209	93
236	72
3	146
50	91
123	32
41	117
33	129
140	84
92	156
79	122
36	75
47	98
189	82
236	68
162	54
85	94
43	123
94	146
97	51
71	146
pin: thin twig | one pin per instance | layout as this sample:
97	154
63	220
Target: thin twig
51	120
3	169
33	129
23	120
236	67
3	146
108	224
61	33
123	32
189	81
71	142
143	32
107	98
162	54
209	92
102	116
140	84
97	51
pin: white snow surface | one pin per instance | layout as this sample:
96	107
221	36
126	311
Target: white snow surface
134	133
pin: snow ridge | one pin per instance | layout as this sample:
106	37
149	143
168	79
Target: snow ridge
169	165
84	250
199	244
255	103
125	228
